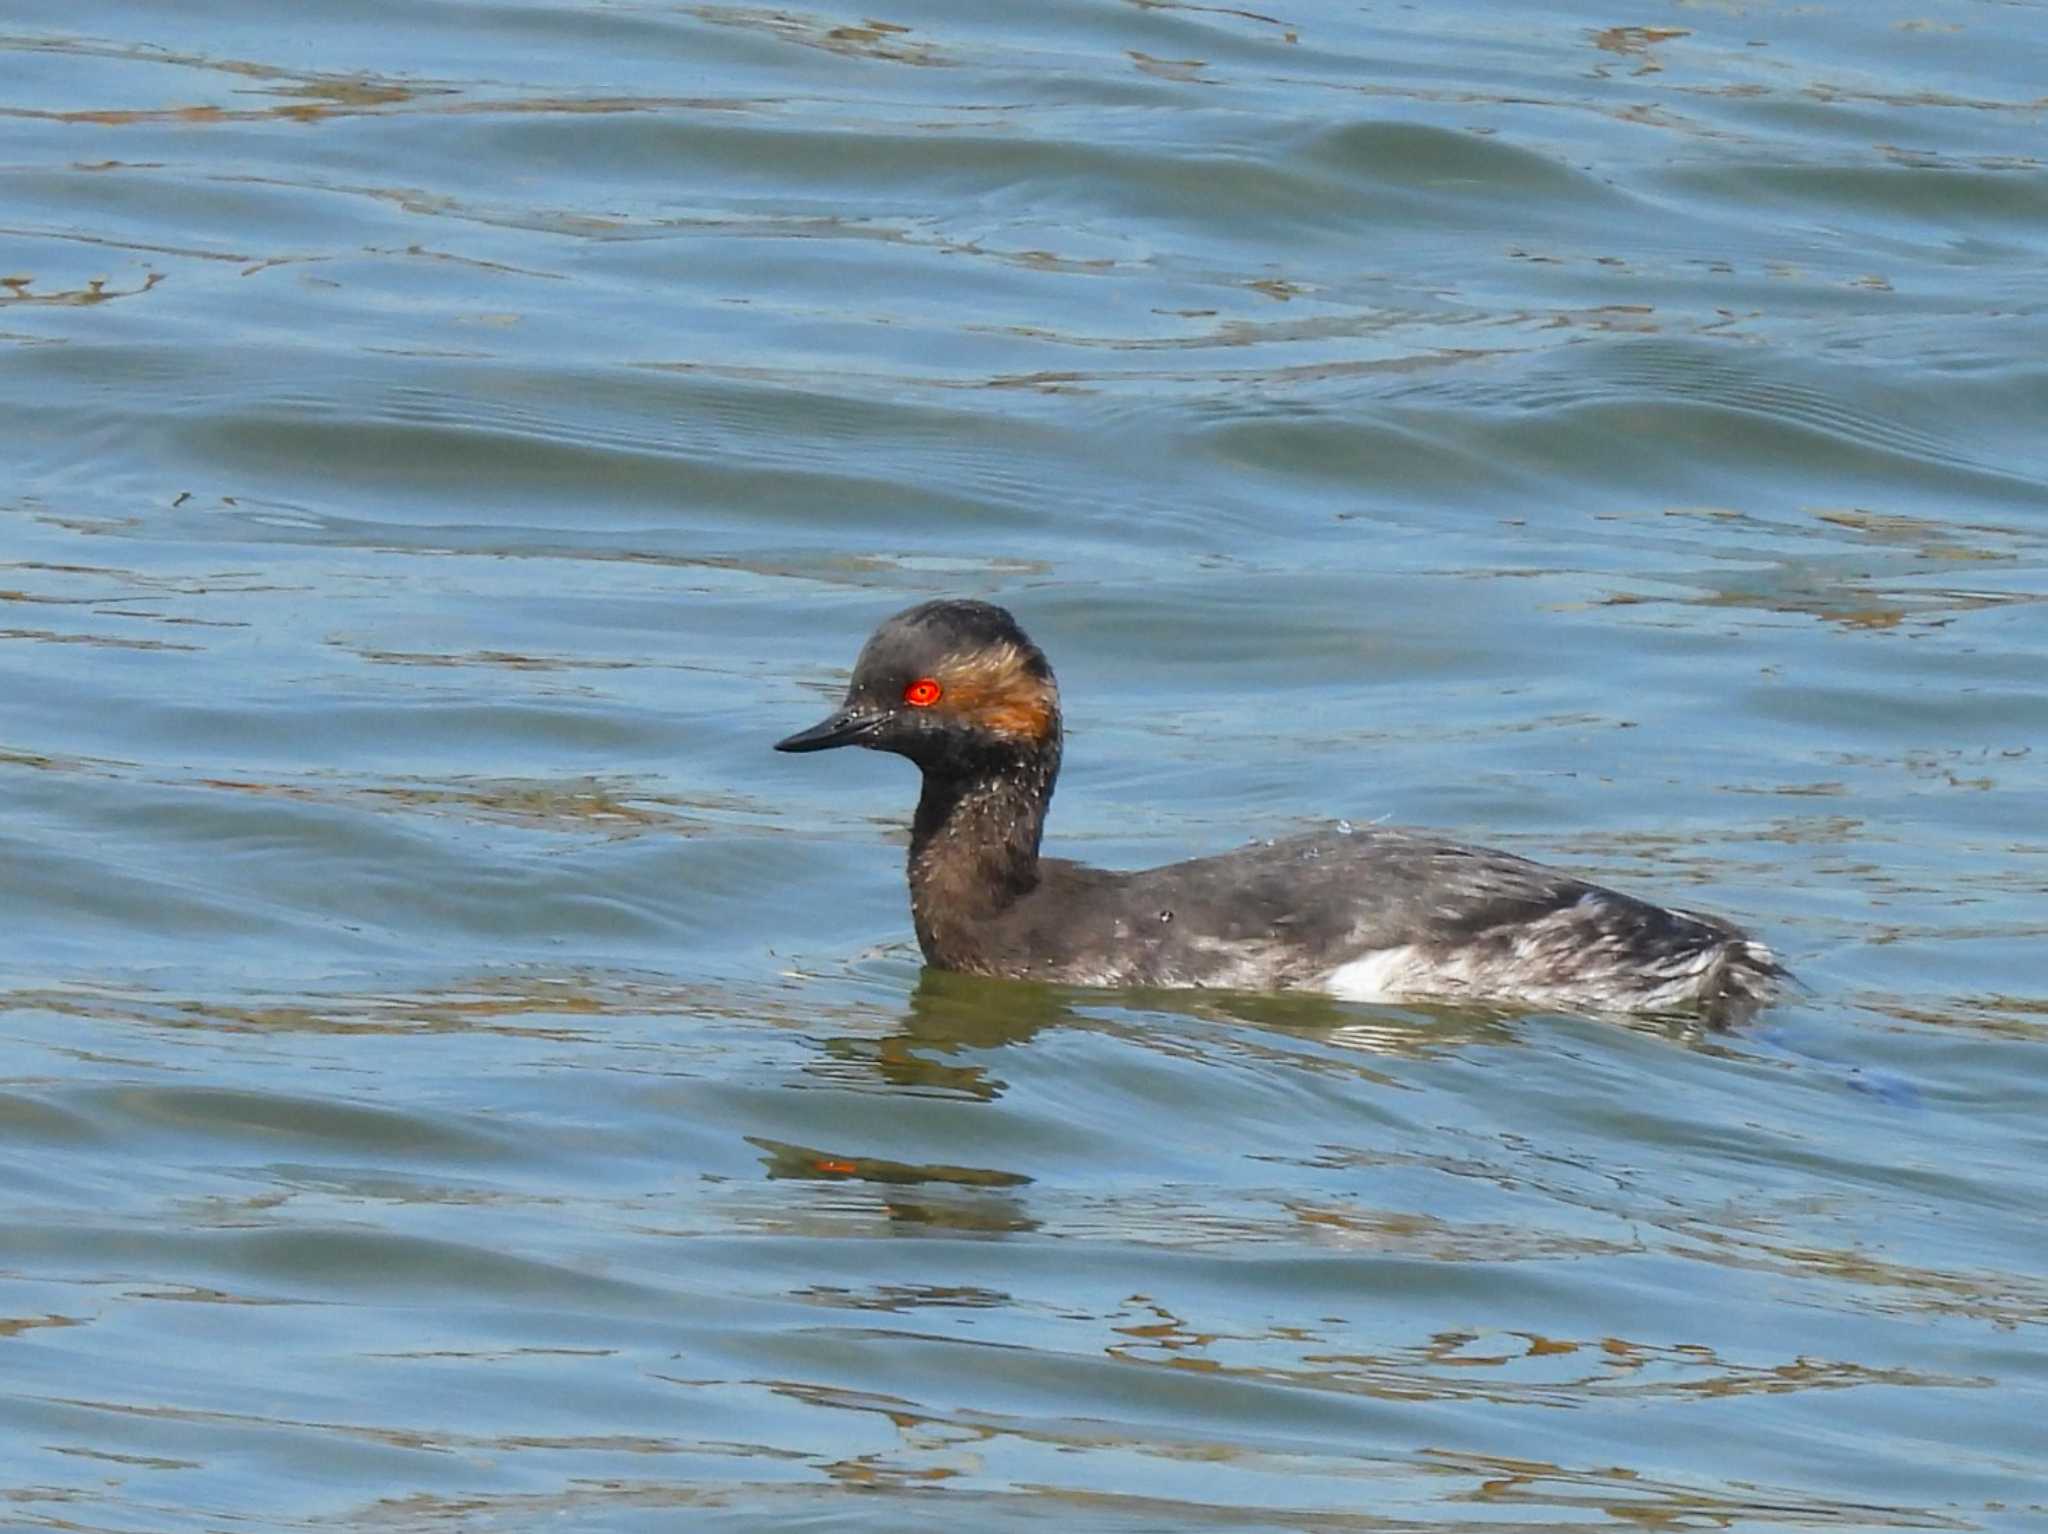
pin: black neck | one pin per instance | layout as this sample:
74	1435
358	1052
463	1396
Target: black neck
974	846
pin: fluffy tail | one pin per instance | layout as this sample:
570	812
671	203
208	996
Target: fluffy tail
1745	978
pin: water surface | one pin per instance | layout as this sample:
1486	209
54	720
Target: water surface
457	1077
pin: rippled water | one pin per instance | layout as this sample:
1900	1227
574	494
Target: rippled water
457	1077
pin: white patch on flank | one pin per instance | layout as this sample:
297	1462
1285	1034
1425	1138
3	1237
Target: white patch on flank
1563	959
1384	974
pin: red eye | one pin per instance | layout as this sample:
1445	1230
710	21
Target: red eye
922	693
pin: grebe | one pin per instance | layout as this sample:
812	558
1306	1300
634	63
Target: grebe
1371	913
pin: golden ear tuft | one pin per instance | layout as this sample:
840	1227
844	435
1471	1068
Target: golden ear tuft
998	689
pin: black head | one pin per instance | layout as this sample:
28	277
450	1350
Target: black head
945	681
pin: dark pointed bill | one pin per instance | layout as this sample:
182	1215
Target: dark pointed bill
845	728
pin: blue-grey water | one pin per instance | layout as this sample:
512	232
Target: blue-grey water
455	1076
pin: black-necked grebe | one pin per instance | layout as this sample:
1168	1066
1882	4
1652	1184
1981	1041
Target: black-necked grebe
1371	913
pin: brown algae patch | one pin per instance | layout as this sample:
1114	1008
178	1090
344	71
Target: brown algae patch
20	290
594	805
558	1007
869	39
510	660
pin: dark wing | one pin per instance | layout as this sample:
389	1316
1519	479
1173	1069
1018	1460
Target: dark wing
1336	893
